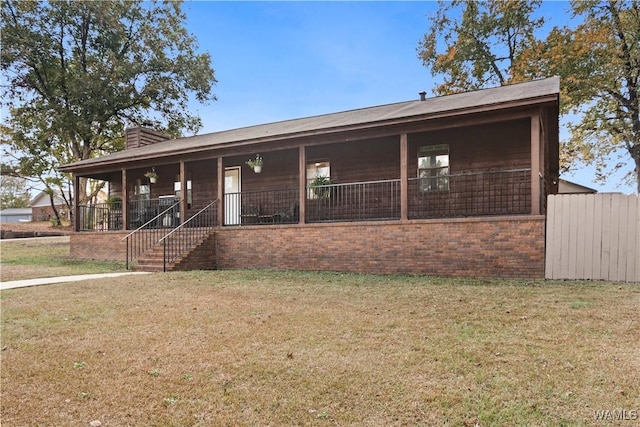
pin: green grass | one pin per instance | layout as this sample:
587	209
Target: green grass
289	348
49	257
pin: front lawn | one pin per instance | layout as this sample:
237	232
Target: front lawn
46	257
283	348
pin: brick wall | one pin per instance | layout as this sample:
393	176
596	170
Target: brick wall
509	247
107	246
203	258
491	247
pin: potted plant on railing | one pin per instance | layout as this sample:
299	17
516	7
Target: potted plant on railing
320	188
152	175
255	164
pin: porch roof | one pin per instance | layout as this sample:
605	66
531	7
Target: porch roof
529	93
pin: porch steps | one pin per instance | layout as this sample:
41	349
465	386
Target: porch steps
201	255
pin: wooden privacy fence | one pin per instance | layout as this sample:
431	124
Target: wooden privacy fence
593	236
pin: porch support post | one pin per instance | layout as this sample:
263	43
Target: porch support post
302	184
76	204
125	200
220	181
404	178
535	165
183	192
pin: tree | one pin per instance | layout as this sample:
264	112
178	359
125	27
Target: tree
475	44
78	72
598	61
14	191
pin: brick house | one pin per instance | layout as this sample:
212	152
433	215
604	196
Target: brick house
41	209
452	186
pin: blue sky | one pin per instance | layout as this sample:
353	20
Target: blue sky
283	60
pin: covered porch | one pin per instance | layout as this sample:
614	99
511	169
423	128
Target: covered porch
418	175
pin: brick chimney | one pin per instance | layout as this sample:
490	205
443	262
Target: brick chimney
140	136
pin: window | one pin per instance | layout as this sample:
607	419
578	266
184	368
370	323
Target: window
318	173
141	191
433	167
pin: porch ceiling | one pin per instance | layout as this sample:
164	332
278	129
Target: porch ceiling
524	94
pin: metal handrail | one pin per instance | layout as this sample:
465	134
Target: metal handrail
188	221
155	218
149	242
179	231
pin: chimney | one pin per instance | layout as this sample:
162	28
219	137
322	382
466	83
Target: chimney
140	136
423	96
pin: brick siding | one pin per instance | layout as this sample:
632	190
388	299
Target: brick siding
204	258
494	247
508	247
106	246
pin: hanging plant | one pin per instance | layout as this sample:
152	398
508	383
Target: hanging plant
152	175
255	164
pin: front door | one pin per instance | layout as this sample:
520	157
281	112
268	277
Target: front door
232	196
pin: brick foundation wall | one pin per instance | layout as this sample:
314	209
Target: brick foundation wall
203	258
510	247
106	246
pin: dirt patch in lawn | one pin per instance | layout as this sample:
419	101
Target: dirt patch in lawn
280	348
16	230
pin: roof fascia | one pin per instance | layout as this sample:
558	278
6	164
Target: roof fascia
327	134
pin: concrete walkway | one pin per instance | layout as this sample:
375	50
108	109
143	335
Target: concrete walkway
62	279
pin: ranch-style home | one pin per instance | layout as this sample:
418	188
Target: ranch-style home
451	186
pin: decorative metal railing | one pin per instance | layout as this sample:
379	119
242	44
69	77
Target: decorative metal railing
149	233
358	201
142	211
505	192
179	240
471	194
262	207
100	217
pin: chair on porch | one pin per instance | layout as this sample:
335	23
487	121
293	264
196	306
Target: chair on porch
292	216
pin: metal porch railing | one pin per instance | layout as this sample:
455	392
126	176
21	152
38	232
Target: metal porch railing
149	233
100	217
187	234
358	201
471	194
262	207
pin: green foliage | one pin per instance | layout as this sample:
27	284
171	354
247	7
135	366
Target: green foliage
599	63
252	163
482	41
598	60
319	186
79	71
14	192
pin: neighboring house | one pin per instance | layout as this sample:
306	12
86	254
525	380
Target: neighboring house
568	187
452	186
41	207
15	215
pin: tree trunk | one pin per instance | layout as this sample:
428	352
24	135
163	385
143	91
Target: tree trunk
57	222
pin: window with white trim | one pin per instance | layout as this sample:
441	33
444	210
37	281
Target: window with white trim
433	167
318	173
177	190
141	191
